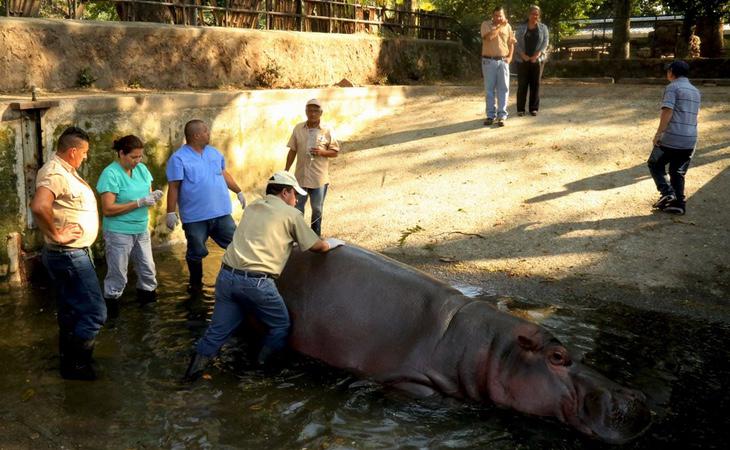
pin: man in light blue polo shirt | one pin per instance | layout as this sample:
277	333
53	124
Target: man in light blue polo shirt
198	185
675	139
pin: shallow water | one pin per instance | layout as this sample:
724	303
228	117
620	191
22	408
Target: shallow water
138	402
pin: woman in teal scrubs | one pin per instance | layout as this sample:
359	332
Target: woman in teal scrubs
125	187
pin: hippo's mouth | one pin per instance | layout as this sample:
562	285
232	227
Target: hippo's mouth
613	417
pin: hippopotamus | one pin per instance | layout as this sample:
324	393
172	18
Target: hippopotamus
378	318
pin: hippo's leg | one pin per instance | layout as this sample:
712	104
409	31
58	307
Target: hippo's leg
415	389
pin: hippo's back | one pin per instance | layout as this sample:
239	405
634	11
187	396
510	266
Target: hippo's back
362	311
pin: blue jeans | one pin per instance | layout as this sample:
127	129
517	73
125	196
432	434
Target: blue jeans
316	196
496	79
678	161
221	229
119	248
81	307
235	295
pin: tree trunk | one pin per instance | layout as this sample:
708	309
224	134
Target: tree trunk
709	29
621	29
23	8
682	47
162	13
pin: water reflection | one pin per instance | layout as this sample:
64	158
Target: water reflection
139	403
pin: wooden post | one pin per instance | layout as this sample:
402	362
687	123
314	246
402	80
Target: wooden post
268	8
226	22
16	268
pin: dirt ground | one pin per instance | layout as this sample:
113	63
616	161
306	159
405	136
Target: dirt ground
550	205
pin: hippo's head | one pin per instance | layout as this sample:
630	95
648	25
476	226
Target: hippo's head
537	375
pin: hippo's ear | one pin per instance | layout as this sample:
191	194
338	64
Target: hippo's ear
527	343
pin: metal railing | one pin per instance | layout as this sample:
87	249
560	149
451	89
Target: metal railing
593	36
295	15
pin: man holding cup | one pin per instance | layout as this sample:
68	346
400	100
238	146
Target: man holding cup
312	144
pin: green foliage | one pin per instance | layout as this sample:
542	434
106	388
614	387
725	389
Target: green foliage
85	78
556	14
408	231
9	200
134	83
100	10
638	8
700	8
269	75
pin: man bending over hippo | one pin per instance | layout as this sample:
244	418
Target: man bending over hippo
260	248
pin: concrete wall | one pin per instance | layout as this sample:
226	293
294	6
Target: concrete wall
635	68
251	128
51	54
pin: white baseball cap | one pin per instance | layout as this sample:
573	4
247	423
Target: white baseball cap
285	178
314	102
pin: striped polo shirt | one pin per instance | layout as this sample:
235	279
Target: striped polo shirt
684	101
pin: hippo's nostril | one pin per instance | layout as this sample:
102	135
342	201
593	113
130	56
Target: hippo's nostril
629	415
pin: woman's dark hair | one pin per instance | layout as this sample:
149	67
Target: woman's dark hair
274	189
127	144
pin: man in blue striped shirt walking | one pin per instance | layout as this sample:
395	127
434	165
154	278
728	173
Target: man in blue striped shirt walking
675	139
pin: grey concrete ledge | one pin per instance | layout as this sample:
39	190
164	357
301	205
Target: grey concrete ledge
695	81
97	102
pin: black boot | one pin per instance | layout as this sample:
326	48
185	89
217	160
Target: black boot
196	275
197	365
264	355
65	352
78	360
144	297
112	307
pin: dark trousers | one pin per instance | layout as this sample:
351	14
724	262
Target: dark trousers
221	229
316	200
235	295
528	76
81	307
678	161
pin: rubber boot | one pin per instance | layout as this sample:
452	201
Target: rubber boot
79	366
264	355
112	307
197	365
65	352
145	297
196	275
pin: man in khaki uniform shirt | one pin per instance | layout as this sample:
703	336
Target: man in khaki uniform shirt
498	42
260	248
64	208
312	144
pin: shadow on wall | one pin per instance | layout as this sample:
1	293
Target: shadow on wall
409	61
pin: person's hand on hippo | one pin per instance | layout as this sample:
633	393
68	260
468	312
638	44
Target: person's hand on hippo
334	243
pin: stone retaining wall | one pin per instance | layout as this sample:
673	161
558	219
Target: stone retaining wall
56	54
635	68
251	128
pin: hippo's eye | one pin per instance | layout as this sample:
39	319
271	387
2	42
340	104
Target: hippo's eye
559	358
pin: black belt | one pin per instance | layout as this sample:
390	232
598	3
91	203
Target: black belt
246	273
496	58
64	249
